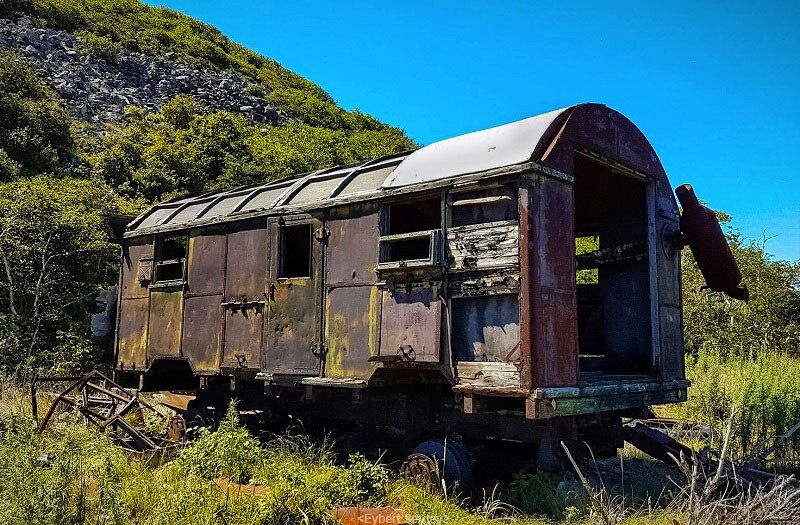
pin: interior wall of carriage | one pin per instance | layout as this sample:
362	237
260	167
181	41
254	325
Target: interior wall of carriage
613	270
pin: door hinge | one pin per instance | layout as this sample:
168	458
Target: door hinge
322	233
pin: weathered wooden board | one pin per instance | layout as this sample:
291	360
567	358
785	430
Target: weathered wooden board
487	374
481	246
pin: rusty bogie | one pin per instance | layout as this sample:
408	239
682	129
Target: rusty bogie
469	281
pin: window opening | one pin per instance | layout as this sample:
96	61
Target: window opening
295	251
407	217
171	256
410	233
484	205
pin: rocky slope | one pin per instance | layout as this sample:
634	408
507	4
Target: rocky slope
97	91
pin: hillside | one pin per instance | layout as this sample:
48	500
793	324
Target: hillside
109	105
111	25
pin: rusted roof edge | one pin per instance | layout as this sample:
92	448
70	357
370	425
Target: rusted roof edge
371	195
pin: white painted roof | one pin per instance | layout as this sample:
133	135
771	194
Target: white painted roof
474	152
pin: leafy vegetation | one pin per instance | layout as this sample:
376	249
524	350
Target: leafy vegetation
184	149
765	391
770	322
35	135
55	256
98	46
75	475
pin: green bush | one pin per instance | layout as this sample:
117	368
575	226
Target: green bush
770	322
229	451
35	135
98	46
538	493
55	256
182	149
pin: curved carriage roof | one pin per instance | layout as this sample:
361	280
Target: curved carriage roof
531	139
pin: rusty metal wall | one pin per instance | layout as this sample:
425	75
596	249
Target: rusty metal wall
206	264
202	329
137	254
132	334
245	282
134	305
609	133
548	318
411	324
294	338
352	298
165	324
668	263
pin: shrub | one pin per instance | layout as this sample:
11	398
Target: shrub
231	451
55	256
182	149
98	46
35	135
770	322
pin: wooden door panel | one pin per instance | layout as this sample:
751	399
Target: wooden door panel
166	319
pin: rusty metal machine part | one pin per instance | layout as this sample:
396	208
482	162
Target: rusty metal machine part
703	234
105	404
440	461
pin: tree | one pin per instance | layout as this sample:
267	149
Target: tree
35	135
182	149
769	322
54	258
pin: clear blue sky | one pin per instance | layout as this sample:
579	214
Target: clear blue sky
715	87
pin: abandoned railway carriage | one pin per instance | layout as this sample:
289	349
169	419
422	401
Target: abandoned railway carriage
519	283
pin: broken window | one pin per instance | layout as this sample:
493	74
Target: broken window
170	259
295	251
410	233
585	247
407	217
484	205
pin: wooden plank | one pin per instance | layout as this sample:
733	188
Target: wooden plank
490	245
488	374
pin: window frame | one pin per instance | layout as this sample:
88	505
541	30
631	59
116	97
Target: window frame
158	262
434	236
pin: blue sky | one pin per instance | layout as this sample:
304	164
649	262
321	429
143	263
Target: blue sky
713	86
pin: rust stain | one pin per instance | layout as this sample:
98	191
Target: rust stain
133	324
166	319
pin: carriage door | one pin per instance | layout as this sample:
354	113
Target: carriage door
245	295
293	339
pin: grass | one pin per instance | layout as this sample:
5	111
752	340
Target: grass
75	475
765	391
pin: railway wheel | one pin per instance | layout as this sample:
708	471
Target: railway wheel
438	461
